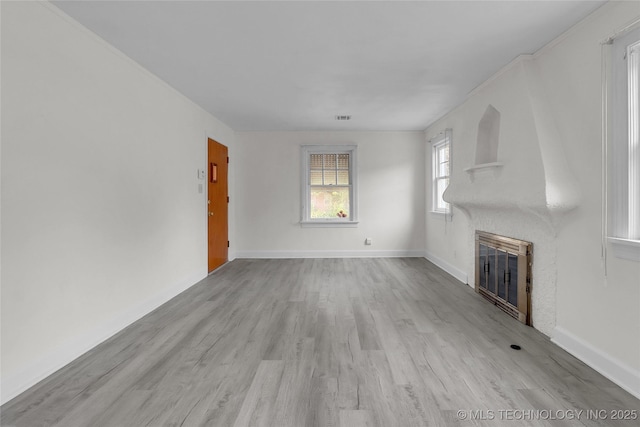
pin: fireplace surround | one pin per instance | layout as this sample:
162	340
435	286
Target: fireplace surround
503	273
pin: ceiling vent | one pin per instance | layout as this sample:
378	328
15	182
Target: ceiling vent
342	117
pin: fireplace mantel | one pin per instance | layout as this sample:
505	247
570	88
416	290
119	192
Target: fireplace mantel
493	168
519	162
517	182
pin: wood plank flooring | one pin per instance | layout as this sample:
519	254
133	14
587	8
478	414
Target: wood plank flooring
324	342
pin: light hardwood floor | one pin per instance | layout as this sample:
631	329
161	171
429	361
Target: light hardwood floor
323	342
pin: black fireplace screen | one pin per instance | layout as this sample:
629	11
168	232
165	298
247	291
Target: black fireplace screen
503	273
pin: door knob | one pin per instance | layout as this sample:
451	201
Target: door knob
210	213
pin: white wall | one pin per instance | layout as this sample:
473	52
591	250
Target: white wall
601	311
102	220
597	318
391	196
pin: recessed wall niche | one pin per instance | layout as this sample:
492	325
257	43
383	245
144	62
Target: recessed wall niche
488	137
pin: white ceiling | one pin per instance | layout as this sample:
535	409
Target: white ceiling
264	65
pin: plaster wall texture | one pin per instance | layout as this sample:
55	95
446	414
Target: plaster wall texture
508	200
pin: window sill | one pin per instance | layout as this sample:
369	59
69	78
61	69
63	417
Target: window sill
329	224
440	213
625	248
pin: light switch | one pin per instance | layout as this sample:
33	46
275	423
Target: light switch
202	174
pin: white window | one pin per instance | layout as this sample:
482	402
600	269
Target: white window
329	186
440	170
624	207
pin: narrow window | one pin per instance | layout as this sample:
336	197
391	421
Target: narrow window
441	167
624	203
329	186
633	114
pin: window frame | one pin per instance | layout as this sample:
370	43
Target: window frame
624	198
442	140
306	220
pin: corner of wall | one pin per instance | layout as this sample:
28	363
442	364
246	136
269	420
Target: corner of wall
456	272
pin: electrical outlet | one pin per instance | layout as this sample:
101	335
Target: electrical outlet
367	241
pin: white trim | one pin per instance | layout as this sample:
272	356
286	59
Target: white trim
615	370
625	248
632	25
516	61
623	170
633	78
443	139
449	268
217	269
329	223
75	347
407	253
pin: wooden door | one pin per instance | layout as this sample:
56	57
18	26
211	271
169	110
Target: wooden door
217	203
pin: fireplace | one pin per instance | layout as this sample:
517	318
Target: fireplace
503	273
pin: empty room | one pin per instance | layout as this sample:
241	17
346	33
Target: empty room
320	213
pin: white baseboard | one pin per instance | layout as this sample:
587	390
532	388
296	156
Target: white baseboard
66	352
409	253
621	374
449	268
